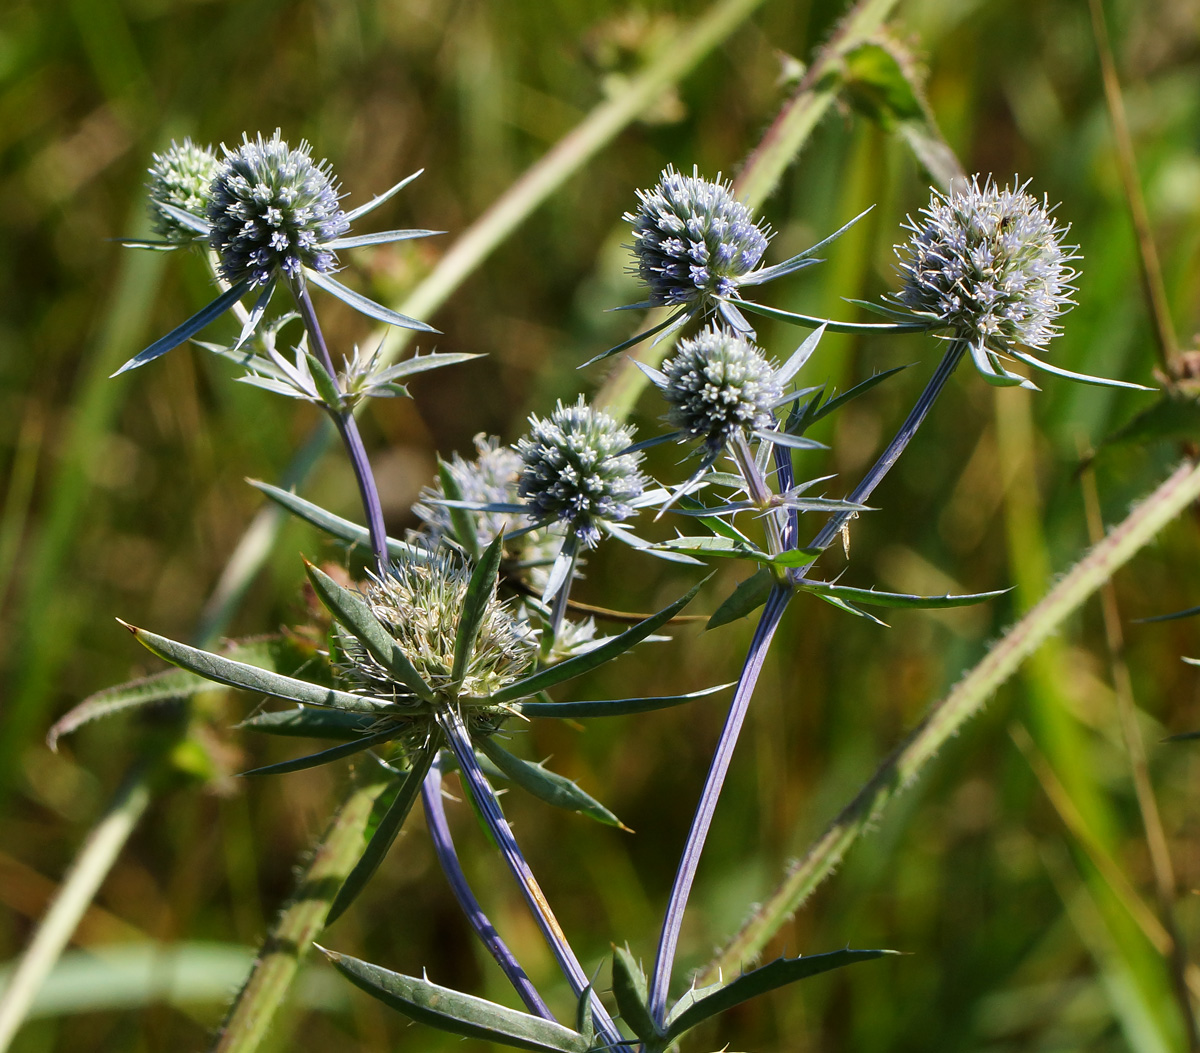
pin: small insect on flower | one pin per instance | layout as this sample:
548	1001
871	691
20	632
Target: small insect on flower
989	264
181	178
718	385
575	470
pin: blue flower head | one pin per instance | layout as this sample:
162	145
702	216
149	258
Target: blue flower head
989	265
693	240
271	210
574	469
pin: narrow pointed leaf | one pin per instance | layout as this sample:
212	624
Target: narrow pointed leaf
610	649
673	320
1185	736
546	785
381	237
305	722
849	608
365	305
461	519
313	760
897	599
458	1013
714	523
1084	378
194	223
255	315
480	590
812	250
991	370
333	525
807	321
327	387
749	595
249	677
188	329
699	1006
800	356
385	833
778	270
422	364
613	707
353	612
792	442
1187	613
629	989
379	199
858	389
884	311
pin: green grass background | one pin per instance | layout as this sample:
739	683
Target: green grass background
126	497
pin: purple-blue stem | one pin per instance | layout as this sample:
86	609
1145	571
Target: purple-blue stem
777	601
348	429
439	832
489	808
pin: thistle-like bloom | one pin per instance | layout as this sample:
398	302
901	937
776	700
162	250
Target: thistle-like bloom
693	240
719	384
273	210
420	604
575	471
989	265
181	177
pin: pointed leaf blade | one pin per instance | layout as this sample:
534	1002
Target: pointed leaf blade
614	707
546	785
314	760
364	305
689	1012
304	722
385	833
749	595
248	677
900	600
629	989
573	667
458	1013
480	590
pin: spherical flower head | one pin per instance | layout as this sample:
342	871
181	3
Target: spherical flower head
419	603
720	384
693	240
181	176
575	470
273	210
988	264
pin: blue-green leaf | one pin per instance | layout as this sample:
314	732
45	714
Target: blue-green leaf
461	519
896	599
1084	378
309	723
610	649
313	760
697	1006
249	677
379	199
363	304
385	833
629	989
458	1013
749	595
613	707
188	329
547	786
353	612
381	237
807	321
480	590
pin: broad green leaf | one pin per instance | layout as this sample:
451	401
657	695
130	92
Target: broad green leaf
547	786
629	989
384	834
697	1006
305	722
249	677
480	590
749	595
462	520
896	599
610	649
458	1013
333	525
313	760
614	707
353	612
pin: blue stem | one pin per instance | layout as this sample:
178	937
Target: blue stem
439	831
348	430
777	601
489	808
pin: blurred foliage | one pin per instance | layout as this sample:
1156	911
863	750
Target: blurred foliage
126	497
